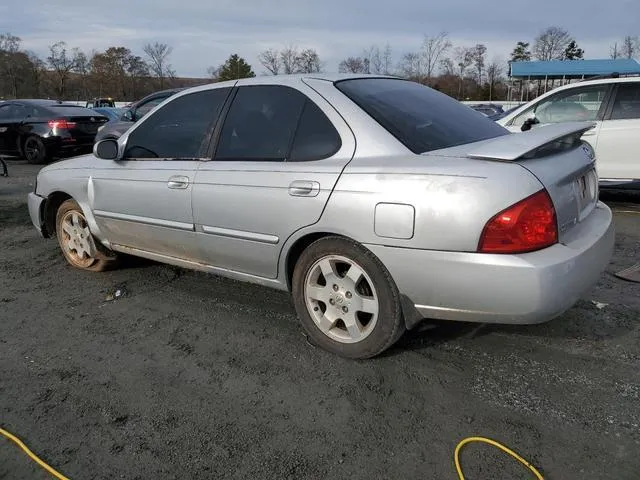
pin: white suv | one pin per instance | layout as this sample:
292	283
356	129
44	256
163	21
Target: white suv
613	104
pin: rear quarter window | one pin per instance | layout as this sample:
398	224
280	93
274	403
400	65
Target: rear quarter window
421	118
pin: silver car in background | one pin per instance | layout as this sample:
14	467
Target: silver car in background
375	201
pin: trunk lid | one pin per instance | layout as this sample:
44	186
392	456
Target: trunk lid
87	125
557	157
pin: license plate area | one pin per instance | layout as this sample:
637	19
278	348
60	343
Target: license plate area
586	193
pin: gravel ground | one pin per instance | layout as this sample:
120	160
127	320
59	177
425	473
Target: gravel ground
192	376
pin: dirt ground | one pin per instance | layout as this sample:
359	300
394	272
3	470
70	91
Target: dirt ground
192	376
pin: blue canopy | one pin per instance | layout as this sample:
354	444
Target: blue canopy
574	68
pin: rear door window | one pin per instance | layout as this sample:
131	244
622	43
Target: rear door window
421	118
261	123
627	103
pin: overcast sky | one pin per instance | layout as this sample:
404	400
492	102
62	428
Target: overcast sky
205	32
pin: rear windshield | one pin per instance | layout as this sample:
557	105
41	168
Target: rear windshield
422	119
71	110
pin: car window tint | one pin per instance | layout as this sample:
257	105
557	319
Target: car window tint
178	129
146	107
573	105
18	111
5	111
422	118
316	137
627	103
261	123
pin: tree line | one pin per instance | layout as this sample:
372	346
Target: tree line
462	71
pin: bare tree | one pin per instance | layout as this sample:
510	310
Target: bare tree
387	59
630	46
551	44
411	65
270	59
464	59
478	55
374	59
38	71
433	48
353	65
615	53
448	67
158	54
494	72
288	57
62	63
9	61
82	66
308	61
214	73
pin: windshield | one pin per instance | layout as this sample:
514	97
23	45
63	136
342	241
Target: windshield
421	118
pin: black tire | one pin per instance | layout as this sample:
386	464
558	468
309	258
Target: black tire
34	150
104	258
388	326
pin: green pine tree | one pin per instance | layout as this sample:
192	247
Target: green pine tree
234	68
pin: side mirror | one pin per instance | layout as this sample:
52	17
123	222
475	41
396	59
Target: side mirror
128	116
528	123
106	149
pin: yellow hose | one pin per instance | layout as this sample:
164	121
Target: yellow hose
538	475
495	444
33	457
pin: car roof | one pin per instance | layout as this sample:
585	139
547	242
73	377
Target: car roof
38	101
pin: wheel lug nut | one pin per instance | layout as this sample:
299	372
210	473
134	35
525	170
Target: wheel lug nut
348	295
335	288
332	301
345	309
315	309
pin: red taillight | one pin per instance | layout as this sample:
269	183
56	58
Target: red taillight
528	225
61	124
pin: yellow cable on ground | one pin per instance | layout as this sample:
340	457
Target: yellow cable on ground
495	444
33	457
538	475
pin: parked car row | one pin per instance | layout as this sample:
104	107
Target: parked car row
40	130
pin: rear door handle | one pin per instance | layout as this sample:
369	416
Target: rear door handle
304	188
589	133
178	181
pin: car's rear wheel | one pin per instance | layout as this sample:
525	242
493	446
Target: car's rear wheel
76	241
346	299
34	150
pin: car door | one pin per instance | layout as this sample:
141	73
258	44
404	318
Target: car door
279	154
580	103
143	201
619	137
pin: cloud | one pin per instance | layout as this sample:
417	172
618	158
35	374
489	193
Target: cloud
204	33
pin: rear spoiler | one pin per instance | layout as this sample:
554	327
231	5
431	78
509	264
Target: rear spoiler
514	146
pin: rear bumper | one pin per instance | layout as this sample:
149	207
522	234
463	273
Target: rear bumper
36	212
509	289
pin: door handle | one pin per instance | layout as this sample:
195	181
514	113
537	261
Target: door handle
178	181
589	133
304	188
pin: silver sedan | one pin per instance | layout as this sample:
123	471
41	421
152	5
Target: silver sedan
376	201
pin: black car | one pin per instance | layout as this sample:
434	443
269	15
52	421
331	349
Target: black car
133	113
39	130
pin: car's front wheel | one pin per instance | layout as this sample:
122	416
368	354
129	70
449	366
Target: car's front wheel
346	299
76	241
